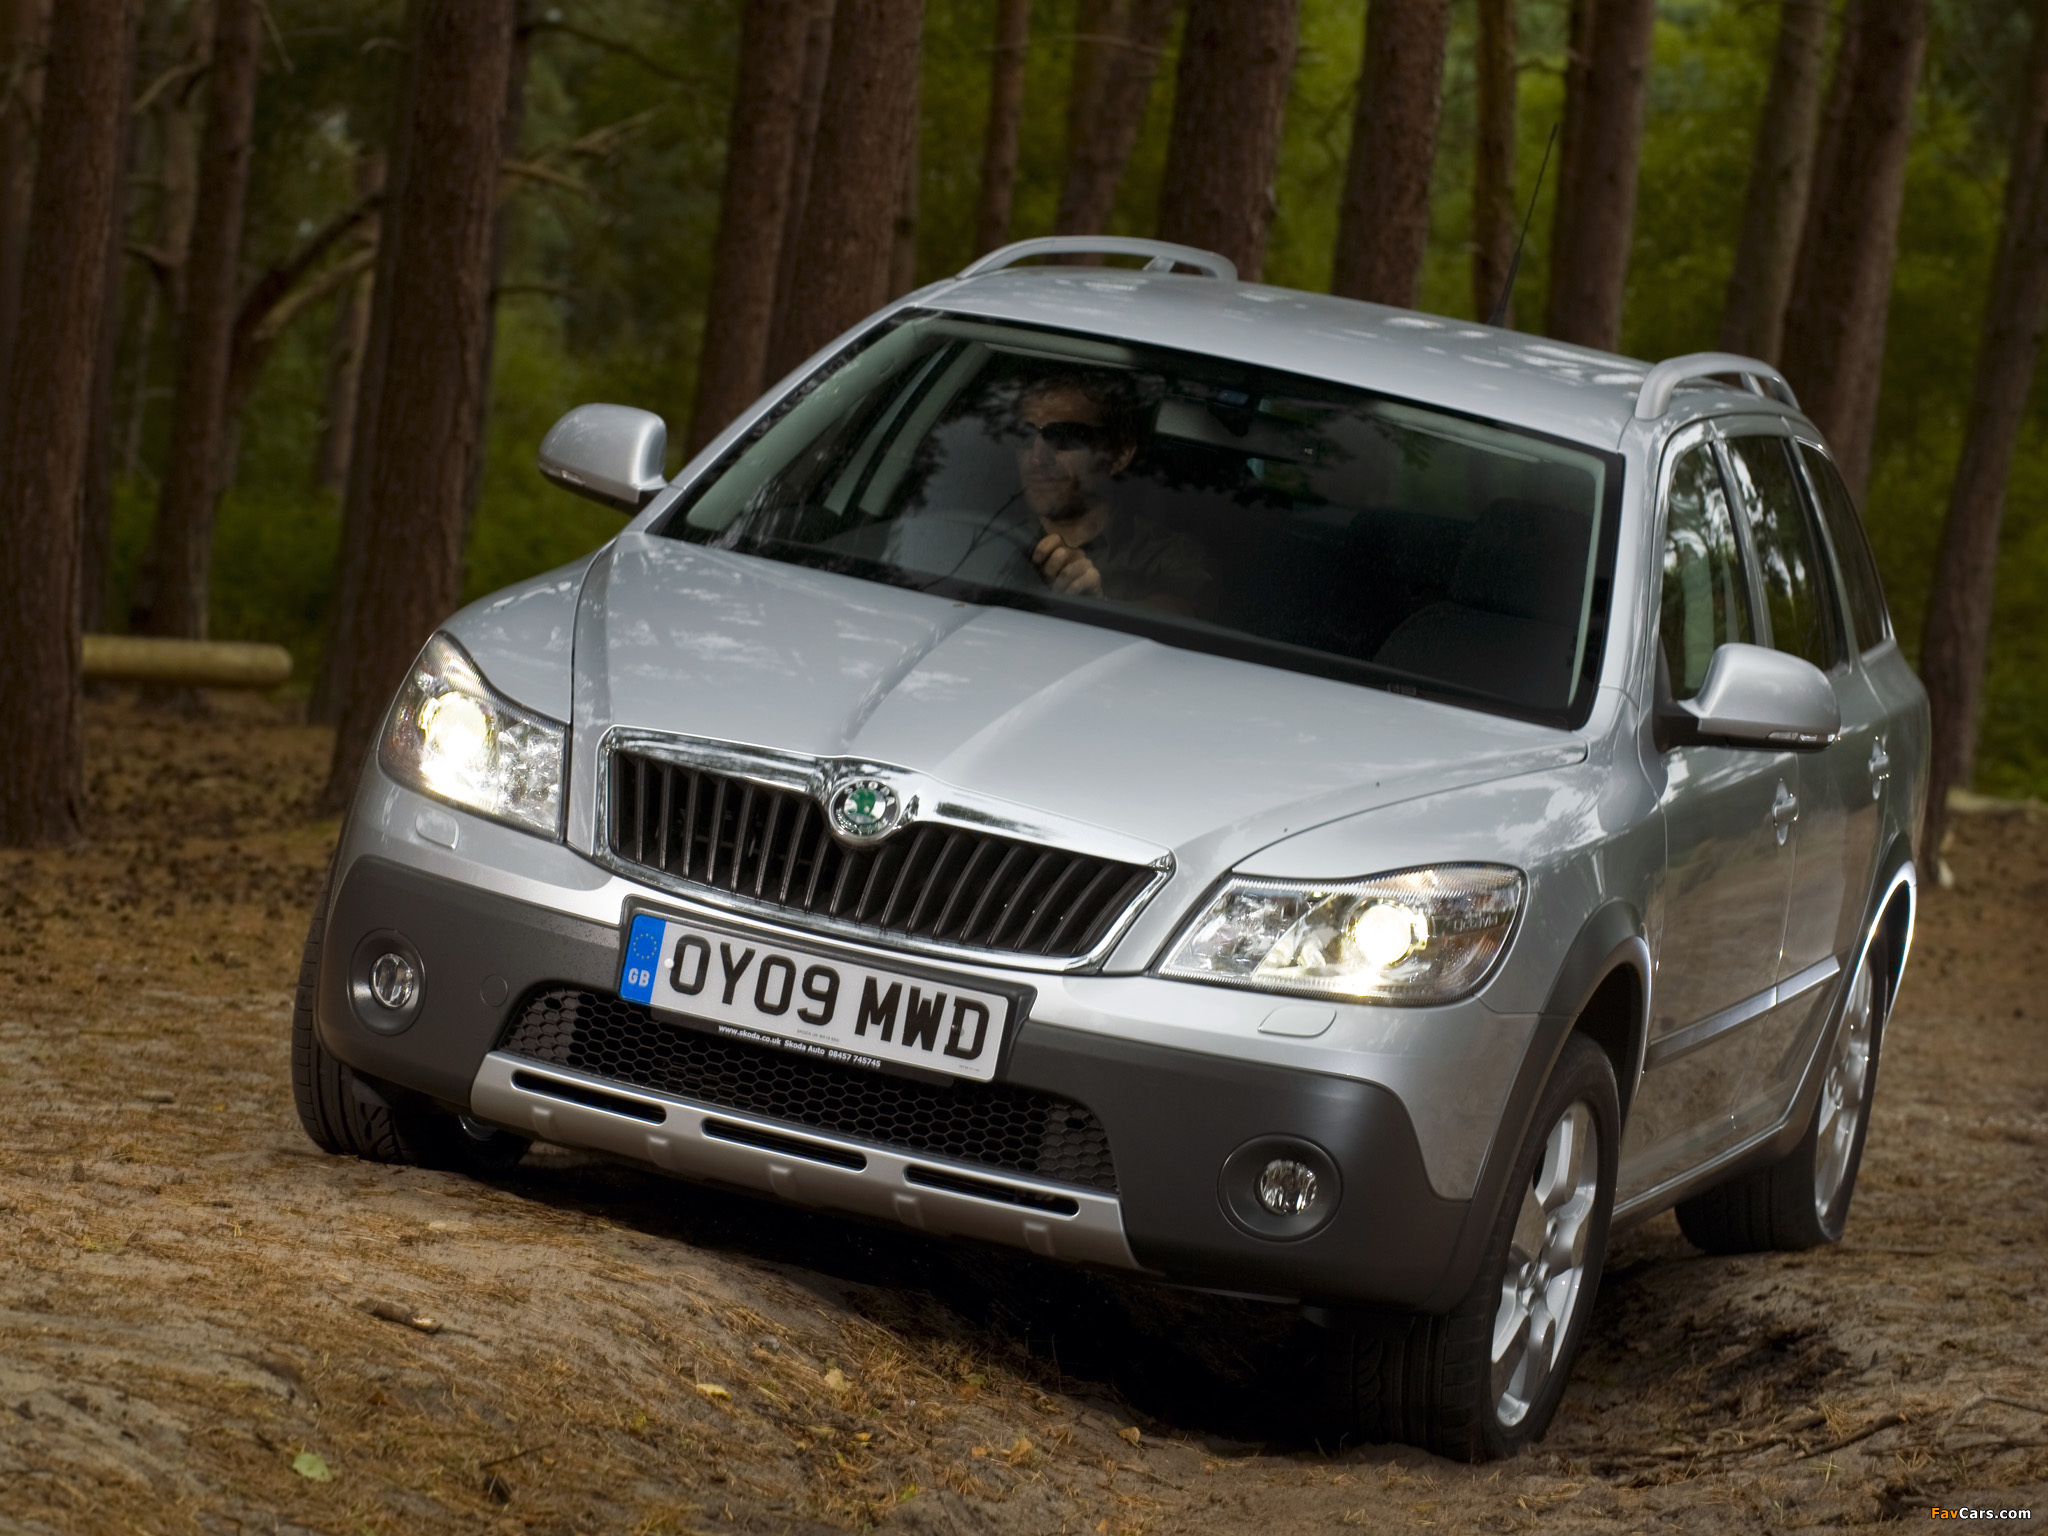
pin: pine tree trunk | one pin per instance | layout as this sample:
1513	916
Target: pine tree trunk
438	302
1493	169
338	656
903	243
96	498
43	420
846	243
1957	636
1383	223
1108	111
760	149
1590	246
1835	325
1230	101
1005	123
1780	178
22	24
196	460
810	104
1571	155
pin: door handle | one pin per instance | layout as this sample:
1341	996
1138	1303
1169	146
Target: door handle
1784	811
1880	768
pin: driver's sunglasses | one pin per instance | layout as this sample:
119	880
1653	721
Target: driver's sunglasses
1059	436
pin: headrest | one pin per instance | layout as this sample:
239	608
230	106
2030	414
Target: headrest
1526	559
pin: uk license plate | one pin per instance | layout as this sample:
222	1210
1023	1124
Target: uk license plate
779	994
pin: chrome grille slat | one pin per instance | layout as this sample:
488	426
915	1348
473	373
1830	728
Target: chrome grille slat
938	884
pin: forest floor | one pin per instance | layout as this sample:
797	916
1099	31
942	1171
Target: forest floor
197	1308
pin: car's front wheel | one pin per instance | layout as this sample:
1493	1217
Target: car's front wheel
1802	1200
350	1115
1484	1380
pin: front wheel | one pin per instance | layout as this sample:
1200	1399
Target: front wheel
1485	1380
1802	1200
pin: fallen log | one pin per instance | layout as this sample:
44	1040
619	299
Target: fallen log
186	663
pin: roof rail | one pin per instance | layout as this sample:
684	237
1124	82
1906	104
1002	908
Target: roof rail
1165	256
1759	378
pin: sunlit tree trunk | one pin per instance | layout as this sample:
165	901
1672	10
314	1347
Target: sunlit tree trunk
1108	112
846	244
1597	180
43	419
1957	636
1780	178
1493	169
1005	122
1383	224
195	461
760	146
1230	100
1835	324
438	300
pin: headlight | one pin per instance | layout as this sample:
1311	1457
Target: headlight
450	734
1417	937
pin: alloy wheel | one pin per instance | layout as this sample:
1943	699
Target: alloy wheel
1844	1093
1546	1264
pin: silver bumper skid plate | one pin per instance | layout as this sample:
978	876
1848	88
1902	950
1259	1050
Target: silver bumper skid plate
1055	1221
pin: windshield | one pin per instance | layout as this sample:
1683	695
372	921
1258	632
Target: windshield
1202	502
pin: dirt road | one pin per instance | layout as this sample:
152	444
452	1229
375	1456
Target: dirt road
206	1325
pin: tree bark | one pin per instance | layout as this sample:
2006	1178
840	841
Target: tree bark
22	24
760	151
1957	636
1571	155
1604	132
43	420
903	242
1493	168
1383	223
1780	178
811	103
846	243
347	345
1230	101
1007	60
196	462
1108	111
1835	324
438	304
96	497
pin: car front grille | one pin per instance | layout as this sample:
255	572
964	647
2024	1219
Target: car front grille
974	890
992	1124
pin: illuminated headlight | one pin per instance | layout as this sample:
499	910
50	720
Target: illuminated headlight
450	734
1417	937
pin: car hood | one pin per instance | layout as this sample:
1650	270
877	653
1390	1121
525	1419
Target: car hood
1200	755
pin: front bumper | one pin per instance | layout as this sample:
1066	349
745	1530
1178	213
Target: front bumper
1174	1118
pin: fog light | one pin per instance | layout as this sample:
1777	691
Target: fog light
1287	1188
394	983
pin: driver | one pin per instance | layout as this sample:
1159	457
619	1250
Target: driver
1077	432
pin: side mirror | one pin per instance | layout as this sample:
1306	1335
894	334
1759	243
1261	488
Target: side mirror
610	453
1754	697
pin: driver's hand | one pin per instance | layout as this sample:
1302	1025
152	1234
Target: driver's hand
1068	569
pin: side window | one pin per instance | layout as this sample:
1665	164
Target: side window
1788	555
1706	597
1852	549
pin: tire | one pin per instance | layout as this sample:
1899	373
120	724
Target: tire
1802	1200
350	1115
1436	1382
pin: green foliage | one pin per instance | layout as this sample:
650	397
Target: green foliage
611	236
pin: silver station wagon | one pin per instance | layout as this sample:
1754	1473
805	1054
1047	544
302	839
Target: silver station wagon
1286	796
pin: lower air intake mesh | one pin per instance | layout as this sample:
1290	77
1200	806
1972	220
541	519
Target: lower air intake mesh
997	1126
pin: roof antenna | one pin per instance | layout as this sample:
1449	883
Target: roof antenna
1507	289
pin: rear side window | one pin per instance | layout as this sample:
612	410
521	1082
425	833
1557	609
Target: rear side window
1788	555
1852	550
1706	597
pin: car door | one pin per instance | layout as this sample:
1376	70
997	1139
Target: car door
1718	922
1832	793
